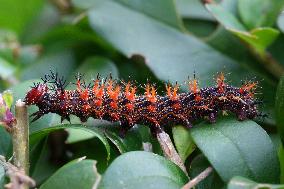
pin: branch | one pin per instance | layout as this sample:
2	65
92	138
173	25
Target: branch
18	178
198	178
169	150
20	137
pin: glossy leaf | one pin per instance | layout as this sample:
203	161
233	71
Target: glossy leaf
140	169
130	142
238	148
163	10
38	135
257	13
167	61
76	174
193	9
279	108
183	141
5	141
258	38
244	183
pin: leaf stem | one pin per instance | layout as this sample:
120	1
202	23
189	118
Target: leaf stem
20	137
169	150
198	178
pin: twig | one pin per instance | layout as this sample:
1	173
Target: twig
169	150
98	177
198	178
274	67
20	137
18	179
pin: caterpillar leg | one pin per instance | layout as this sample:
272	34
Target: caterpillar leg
67	117
37	115
125	126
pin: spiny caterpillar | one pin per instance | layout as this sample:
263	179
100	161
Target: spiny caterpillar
119	102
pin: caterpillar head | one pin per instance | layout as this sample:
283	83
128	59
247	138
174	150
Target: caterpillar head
35	94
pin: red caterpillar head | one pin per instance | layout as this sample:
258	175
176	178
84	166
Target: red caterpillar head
35	94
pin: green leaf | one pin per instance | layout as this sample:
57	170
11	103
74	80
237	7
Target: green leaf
76	174
279	108
199	164
193	9
54	61
77	135
6	69
258	38
257	13
5	141
244	183
132	140
8	98
16	14
170	54
238	148
41	167
155	9
40	134
183	141
97	65
281	160
225	17
140	169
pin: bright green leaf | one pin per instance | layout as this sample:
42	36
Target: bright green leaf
281	160
279	108
76	174
8	98
244	183
238	148
183	141
258	38
140	169
258	13
16	14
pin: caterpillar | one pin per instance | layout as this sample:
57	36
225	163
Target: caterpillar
119	102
